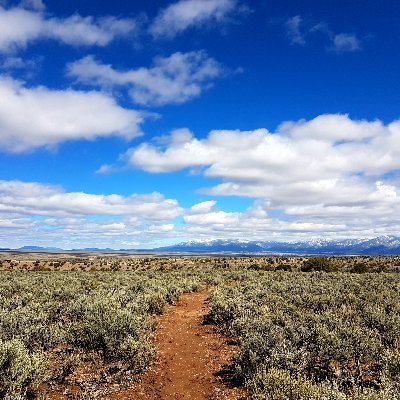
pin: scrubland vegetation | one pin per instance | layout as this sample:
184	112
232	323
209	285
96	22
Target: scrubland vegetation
312	336
307	329
84	328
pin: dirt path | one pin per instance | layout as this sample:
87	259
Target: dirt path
190	356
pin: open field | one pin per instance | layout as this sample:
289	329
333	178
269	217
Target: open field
83	327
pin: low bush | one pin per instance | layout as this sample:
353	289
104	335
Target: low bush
318	264
20	370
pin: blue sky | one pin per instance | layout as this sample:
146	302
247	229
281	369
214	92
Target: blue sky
138	124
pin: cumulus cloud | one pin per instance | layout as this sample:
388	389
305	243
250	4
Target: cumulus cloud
20	26
35	117
255	224
105	169
24	198
51	216
331	169
79	232
174	79
205	214
327	146
344	42
202	208
184	14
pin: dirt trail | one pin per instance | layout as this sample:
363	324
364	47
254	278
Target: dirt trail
190	356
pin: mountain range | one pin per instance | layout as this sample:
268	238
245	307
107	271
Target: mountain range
383	245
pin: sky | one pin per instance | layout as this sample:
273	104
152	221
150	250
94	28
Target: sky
131	124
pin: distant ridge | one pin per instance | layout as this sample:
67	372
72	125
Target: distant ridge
383	245
38	248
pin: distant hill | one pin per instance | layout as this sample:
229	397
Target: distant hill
38	248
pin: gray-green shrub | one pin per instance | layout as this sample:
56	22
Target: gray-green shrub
20	370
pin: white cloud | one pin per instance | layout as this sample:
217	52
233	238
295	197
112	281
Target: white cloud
77	30
34	213
298	31
328	172
105	169
174	79
35	117
47	215
179	135
19	26
212	219
203	207
205	214
184	14
344	42
255	224
21	198
161	228
294	31
328	146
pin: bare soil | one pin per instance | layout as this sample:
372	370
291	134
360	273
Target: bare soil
192	358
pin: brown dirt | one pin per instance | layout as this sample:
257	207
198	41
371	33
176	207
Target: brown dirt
192	358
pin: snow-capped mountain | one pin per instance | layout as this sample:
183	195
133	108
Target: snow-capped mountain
384	245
